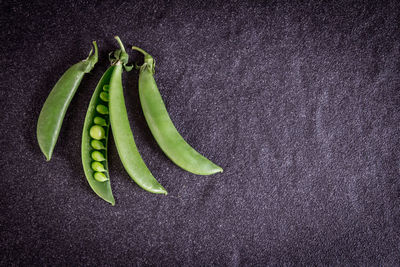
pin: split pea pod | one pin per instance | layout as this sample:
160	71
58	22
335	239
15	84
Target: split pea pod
123	137
162	128
95	141
53	111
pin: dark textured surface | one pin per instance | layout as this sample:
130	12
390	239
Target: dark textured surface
299	103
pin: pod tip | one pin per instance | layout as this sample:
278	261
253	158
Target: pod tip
218	169
111	201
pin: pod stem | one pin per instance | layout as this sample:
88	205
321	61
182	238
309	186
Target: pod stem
140	50
146	55
120	44
149	62
92	59
96	52
121	55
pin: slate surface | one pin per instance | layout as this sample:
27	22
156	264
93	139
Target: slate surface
298	102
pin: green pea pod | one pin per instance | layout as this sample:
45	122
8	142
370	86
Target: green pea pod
162	128
123	137
101	187
56	104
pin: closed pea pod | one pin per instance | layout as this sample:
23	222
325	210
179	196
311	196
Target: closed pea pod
56	105
162	128
96	169
123	137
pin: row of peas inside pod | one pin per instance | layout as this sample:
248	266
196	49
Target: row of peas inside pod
98	134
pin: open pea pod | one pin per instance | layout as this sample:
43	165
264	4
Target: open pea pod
162	128
95	140
54	108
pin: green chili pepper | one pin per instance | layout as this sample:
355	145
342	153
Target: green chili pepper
56	104
123	137
97	173
162	128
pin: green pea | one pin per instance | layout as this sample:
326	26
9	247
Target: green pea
102	109
96	144
100	121
99	176
97	132
106	87
97	156
104	96
98	167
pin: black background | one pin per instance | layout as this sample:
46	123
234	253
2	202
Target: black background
298	102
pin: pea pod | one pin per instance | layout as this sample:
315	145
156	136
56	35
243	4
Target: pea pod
123	137
53	111
93	141
162	128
